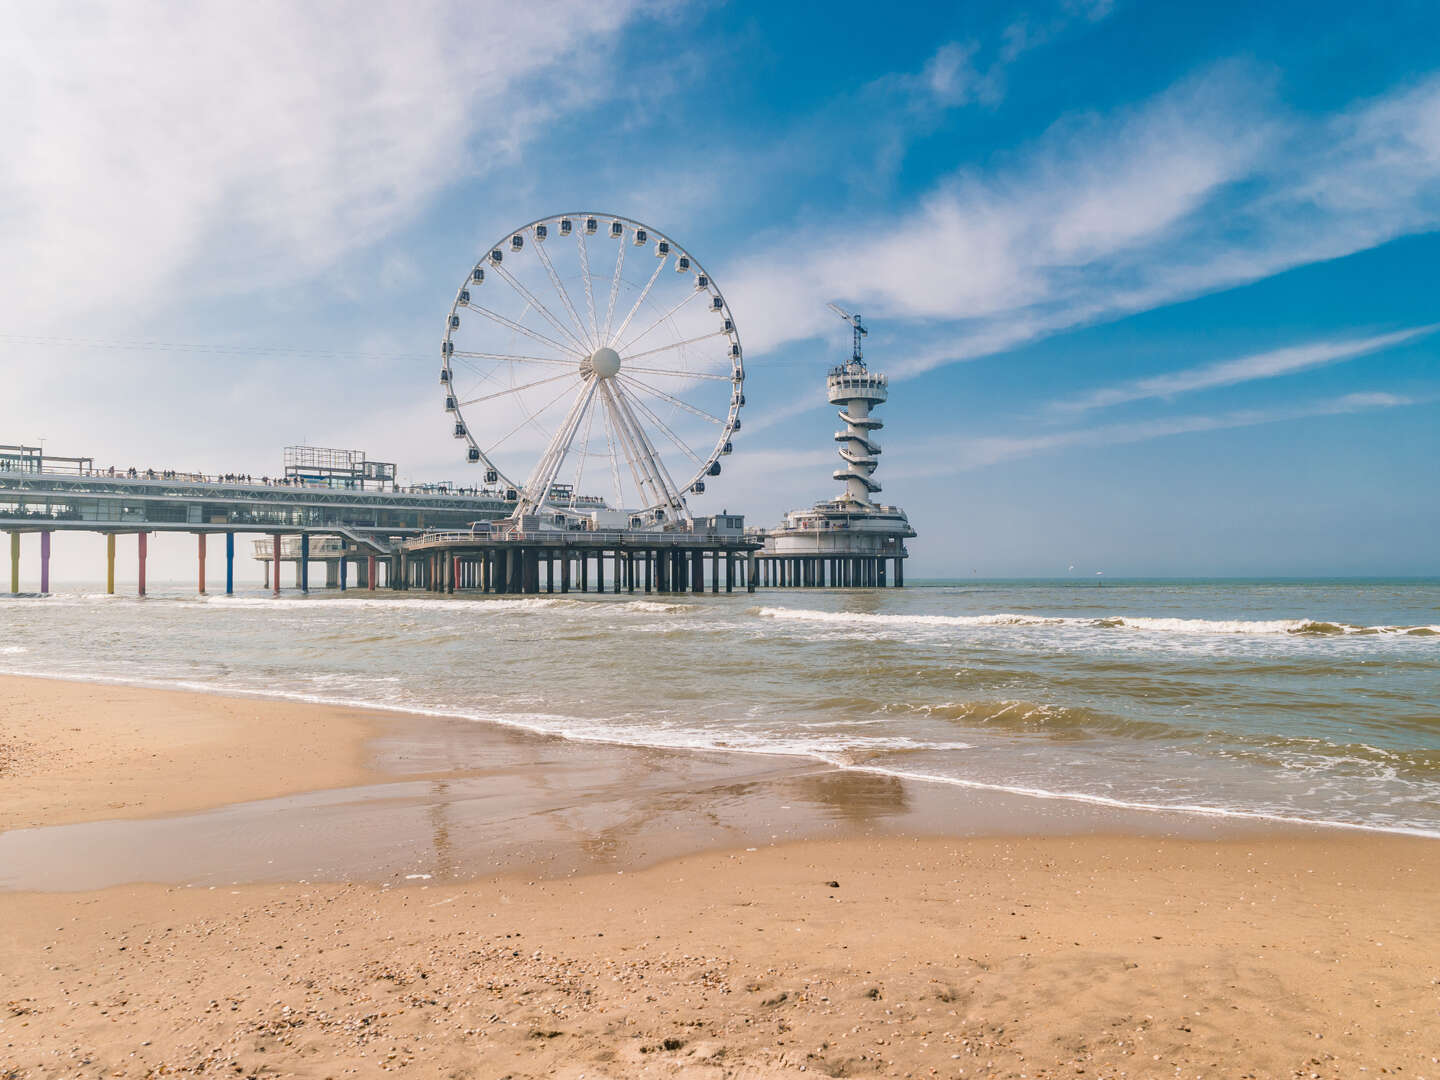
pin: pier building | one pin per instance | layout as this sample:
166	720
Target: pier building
44	493
849	541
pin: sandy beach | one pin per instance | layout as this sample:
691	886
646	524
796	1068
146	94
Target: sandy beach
718	918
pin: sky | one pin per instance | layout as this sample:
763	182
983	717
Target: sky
1155	284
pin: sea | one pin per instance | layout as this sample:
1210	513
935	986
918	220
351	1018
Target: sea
1294	701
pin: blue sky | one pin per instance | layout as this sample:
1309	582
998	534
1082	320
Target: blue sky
1155	284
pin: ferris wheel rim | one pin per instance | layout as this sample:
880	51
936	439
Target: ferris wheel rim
576	347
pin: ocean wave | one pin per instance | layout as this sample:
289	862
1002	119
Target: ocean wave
860	618
1107	622
1060	721
12	650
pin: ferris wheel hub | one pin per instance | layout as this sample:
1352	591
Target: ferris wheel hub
605	362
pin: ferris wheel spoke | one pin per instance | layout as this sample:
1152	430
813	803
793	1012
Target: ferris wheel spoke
535	334
560	288
651	461
589	294
517	389
678	344
680	443
610	447
640	300
632	453
537	486
530	419
513	357
685	300
582	456
672	399
614	287
545	313
681	373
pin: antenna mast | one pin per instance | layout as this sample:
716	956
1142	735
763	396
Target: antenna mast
859	332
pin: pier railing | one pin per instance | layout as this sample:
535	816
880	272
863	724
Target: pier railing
583	538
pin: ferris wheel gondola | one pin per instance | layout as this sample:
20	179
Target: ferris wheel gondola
580	373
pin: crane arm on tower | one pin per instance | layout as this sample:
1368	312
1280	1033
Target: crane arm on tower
857	326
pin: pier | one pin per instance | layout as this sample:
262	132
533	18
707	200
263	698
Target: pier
43	494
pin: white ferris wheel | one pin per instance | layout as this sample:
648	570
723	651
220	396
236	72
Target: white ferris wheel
590	361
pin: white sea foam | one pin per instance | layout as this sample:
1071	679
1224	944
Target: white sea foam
12	650
860	618
1107	622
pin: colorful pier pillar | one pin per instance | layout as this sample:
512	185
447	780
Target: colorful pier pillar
14	562
201	538
305	562
229	564
275	563
44	562
143	539
110	564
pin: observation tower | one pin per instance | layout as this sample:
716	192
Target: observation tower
849	541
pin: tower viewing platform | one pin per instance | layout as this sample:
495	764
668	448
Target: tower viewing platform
850	541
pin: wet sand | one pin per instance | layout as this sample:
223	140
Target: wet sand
877	928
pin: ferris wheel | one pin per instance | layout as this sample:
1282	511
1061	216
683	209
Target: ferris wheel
591	362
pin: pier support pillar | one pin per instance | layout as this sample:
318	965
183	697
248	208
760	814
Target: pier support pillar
142	546
110	564
14	563
344	570
44	563
729	571
899	573
372	572
275	563
229	562
304	574
200	571
750	573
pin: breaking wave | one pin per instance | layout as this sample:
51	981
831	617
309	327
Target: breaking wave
1107	622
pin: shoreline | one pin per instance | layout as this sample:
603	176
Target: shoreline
557	909
182	788
390	714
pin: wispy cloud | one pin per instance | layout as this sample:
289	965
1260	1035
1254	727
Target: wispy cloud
1264	365
221	145
1207	186
975	453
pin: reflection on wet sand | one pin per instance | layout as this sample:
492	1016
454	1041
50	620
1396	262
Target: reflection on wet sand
859	798
470	799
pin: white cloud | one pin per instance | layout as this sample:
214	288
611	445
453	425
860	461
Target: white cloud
960	455
233	145
1208	186
1265	365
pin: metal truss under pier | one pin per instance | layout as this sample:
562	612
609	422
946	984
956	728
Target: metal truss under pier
550	562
